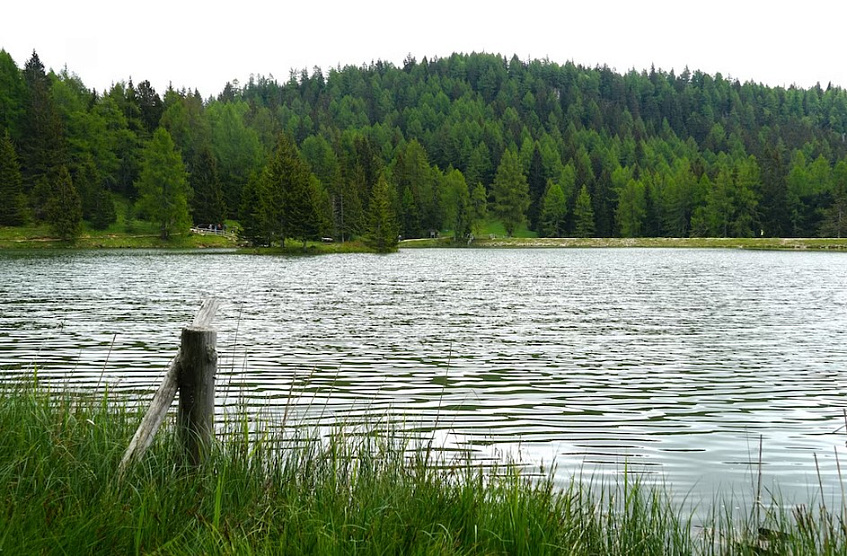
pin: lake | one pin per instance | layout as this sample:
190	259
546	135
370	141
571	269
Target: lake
673	363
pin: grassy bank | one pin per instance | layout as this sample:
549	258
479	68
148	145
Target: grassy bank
143	235
288	494
831	244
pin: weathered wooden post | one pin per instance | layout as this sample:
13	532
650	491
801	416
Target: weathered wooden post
196	381
164	396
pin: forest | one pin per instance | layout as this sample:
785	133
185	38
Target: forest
437	146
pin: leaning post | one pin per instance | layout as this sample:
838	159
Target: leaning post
164	396
196	380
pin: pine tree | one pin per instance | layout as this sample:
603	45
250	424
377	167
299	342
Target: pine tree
382	230
511	192
456	203
287	202
64	208
478	208
12	198
537	181
207	202
41	141
583	214
12	95
632	209
163	185
834	223
253	229
554	211
103	210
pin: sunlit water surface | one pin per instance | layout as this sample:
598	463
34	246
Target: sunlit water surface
671	363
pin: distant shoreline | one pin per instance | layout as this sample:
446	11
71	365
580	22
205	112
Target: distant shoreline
202	241
790	244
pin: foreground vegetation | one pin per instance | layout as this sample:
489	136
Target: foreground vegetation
285	493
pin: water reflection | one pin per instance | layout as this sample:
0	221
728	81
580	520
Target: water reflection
673	361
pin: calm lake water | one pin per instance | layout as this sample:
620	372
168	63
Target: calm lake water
672	363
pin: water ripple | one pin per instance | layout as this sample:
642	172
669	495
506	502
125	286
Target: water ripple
673	362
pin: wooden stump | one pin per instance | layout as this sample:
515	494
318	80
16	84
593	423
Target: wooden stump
164	396
196	379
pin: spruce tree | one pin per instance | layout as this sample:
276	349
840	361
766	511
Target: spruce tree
583	214
834	223
41	141
207	202
12	198
64	208
288	204
478	208
253	229
382	225
103	212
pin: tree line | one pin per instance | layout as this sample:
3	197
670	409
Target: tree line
440	145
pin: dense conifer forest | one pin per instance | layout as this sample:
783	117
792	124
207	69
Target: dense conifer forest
435	146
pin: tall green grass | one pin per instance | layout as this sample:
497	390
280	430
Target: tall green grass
279	489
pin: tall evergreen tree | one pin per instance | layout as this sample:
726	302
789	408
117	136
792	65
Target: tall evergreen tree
12	198
554	211
288	203
98	207
537	180
478	207
511	192
163	185
207	202
12	95
254	229
150	105
237	148
583	214
456	203
775	220
834	223
382	229
632	209
64	208
41	142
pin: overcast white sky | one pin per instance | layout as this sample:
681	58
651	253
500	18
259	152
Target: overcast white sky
205	44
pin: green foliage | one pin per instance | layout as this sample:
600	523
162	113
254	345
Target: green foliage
163	185
382	229
632	209
554	211
456	201
673	134
511	192
12	95
286	196
583	214
12	198
478	210
207	200
41	142
236	146
835	217
64	208
294	492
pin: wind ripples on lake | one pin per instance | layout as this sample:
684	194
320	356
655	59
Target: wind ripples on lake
673	362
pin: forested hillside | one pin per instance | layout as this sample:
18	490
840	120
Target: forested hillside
437	145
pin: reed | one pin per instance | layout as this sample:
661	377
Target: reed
276	488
